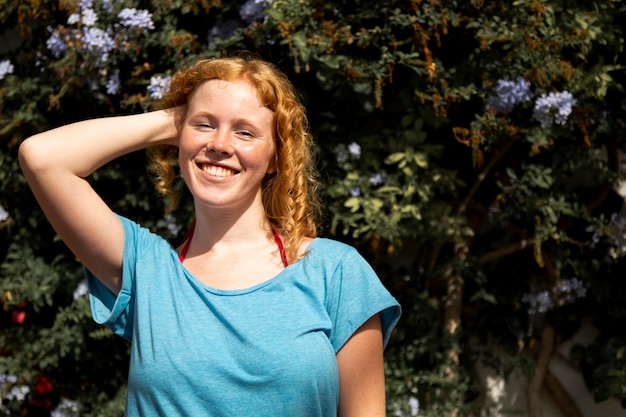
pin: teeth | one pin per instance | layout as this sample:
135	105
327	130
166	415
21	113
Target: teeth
217	171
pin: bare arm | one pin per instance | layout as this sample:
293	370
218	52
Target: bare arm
362	372
56	163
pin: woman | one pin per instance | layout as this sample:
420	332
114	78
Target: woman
253	315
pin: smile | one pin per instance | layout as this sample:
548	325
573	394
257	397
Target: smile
218	171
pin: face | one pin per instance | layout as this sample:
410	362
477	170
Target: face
226	145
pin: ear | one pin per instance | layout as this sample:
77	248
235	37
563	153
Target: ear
272	168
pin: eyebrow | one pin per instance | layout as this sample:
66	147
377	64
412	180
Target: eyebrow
239	120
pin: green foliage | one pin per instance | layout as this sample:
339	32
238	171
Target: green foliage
489	209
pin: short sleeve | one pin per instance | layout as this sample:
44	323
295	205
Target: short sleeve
356	295
116	312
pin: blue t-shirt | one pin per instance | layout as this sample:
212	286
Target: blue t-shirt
268	350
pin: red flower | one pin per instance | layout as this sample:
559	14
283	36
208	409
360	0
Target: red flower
18	316
43	385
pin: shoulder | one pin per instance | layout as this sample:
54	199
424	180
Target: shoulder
329	247
353	291
140	239
331	254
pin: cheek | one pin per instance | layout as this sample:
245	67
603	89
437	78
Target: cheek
187	150
187	141
265	159
183	161
183	168
189	146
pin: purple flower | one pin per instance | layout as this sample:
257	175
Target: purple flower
5	68
538	303
614	231
355	150
510	93
493	211
565	291
414	405
73	19
553	108
3	214
66	408
136	18
98	42
80	290
11	391
169	223
158	86
223	30
87	17
411	408
377	178
618	222
55	44
355	192
595	238
571	289
252	10
113	83
342	156
85	4
106	5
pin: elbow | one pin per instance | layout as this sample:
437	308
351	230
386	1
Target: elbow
32	157
24	155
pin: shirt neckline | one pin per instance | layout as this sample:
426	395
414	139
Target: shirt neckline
241	291
189	235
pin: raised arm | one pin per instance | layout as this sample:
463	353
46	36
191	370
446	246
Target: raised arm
56	163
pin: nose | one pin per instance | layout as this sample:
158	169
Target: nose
221	144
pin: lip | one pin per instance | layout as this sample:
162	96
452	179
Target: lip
218	170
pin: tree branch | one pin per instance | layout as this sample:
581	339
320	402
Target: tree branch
452	314
483	174
613	158
502	252
536	382
561	396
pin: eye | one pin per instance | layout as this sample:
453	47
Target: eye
204	125
246	134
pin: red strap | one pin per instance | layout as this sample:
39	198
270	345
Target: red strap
188	236
187	240
281	248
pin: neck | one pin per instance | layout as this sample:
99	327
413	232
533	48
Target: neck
229	227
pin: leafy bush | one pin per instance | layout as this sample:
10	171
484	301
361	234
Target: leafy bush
471	150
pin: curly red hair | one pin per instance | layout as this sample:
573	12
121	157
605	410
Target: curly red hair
290	195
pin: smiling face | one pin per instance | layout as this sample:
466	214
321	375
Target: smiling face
226	145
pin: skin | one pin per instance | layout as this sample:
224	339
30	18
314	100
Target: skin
81	218
362	372
226	147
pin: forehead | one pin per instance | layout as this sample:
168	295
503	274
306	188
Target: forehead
238	99
241	91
